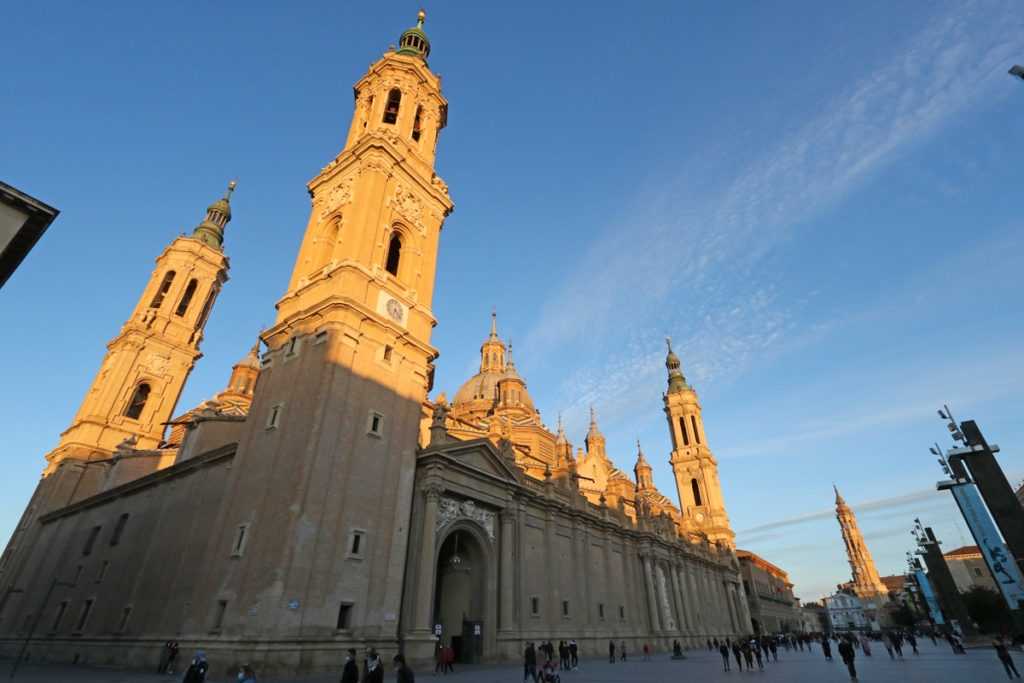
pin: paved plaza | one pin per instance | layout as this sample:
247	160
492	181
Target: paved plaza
934	664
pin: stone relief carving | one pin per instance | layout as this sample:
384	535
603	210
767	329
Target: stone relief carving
157	363
408	205
451	510
337	196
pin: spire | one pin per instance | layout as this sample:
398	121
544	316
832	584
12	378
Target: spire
642	470
676	380
640	459
494	325
595	439
560	439
218	215
414	41
839	498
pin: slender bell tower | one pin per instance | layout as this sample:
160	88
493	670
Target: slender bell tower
147	363
866	582
694	466
335	418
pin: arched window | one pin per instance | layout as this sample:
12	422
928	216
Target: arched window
682	430
165	285
186	298
394	254
326	242
391	108
696	492
138	402
416	124
696	433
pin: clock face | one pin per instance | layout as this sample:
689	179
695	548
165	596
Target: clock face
699	516
395	310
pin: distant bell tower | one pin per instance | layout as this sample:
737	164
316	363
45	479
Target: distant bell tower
335	417
694	467
147	363
866	582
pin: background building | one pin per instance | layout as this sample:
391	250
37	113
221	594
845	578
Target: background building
773	608
846	613
969	569
23	220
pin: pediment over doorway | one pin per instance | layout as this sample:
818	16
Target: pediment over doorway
478	455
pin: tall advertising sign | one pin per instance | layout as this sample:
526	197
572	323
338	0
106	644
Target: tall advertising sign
929	597
997	556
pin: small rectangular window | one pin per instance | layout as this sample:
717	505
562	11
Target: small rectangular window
218	617
600	610
84	618
344	615
274	418
376	424
126	613
293	347
357	543
320	337
119	529
103	571
91	540
388	352
622	612
62	608
565	608
696	432
241	538
535	606
682	430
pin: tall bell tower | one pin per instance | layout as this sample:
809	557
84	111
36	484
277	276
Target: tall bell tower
147	363
694	467
326	467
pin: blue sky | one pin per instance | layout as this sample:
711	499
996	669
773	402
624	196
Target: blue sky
820	203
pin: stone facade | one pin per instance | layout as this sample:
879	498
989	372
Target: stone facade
969	569
321	501
773	607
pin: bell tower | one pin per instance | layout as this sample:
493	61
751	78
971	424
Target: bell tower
147	363
335	417
694	467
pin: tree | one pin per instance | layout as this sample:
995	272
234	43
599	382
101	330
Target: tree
987	609
904	616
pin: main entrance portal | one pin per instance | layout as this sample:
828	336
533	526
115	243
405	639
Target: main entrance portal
460	596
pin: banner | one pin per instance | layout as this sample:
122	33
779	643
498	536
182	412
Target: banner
929	596
997	556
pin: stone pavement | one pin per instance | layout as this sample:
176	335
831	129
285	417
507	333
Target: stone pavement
934	664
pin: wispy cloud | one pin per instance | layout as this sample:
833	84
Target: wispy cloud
688	259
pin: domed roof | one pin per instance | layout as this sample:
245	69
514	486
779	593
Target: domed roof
251	359
414	41
483	386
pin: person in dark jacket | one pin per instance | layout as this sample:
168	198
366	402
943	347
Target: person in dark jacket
374	668
350	674
611	651
403	672
736	652
848	652
530	663
826	649
196	672
574	654
724	650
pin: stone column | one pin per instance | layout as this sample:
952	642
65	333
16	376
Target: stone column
680	600
425	585
698	603
508	588
652	604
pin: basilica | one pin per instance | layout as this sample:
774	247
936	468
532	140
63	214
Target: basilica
323	500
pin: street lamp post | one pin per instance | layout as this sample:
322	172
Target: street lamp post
35	623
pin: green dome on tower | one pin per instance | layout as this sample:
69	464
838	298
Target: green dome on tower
414	41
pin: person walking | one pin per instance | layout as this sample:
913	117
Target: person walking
865	645
736	651
246	674
848	653
756	647
403	672
373	671
647	651
350	672
774	649
449	659
574	654
748	656
723	649
1003	652
826	649
897	642
913	642
611	651
530	663
196	672
622	651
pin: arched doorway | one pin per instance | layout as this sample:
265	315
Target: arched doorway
460	601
